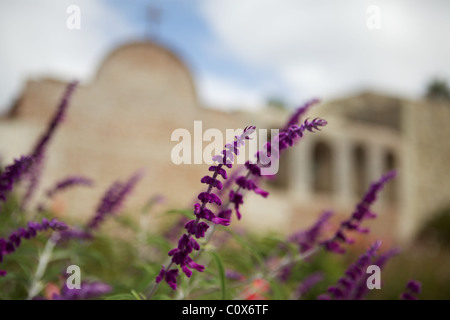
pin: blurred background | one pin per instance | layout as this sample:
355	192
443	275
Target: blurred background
147	68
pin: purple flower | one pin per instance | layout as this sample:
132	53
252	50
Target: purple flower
413	288
354	276
306	239
113	199
296	117
39	149
309	282
361	290
233	275
282	141
71	233
12	174
88	290
58	117
10	244
67	183
197	228
361	213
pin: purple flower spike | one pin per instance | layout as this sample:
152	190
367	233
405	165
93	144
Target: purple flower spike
12	243
306	239
413	288
68	183
361	213
197	228
88	290
355	277
12	174
296	117
113	199
285	139
39	150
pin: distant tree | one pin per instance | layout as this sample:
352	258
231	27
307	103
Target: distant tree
276	102
438	90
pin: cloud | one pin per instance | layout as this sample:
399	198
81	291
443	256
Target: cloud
35	41
221	93
325	48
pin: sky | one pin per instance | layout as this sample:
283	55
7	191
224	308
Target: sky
241	52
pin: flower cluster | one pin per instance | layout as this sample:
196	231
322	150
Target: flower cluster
297	115
38	152
354	275
307	239
362	212
413	288
88	290
110	203
67	183
113	199
12	174
361	290
273	149
198	227
9	245
308	283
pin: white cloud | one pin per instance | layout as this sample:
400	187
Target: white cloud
35	41
325	48
220	93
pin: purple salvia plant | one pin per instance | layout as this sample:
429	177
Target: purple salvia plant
361	213
10	244
281	142
12	175
355	274
299	113
110	203
88	290
71	233
413	288
361	290
307	239
307	284
198	227
113	199
68	183
38	152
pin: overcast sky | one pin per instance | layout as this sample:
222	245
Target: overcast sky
240	51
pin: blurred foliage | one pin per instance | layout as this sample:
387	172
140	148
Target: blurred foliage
437	229
438	90
130	263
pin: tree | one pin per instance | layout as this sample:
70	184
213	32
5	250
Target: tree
438	90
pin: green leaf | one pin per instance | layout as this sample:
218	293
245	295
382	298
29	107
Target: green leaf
121	296
161	297
138	296
188	213
245	244
219	263
276	290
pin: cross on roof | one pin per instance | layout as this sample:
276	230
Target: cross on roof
153	19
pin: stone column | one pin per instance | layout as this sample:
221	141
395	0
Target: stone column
300	170
342	171
375	164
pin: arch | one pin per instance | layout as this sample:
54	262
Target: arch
390	163
360	169
322	168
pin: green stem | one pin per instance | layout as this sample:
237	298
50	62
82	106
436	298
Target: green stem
36	284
